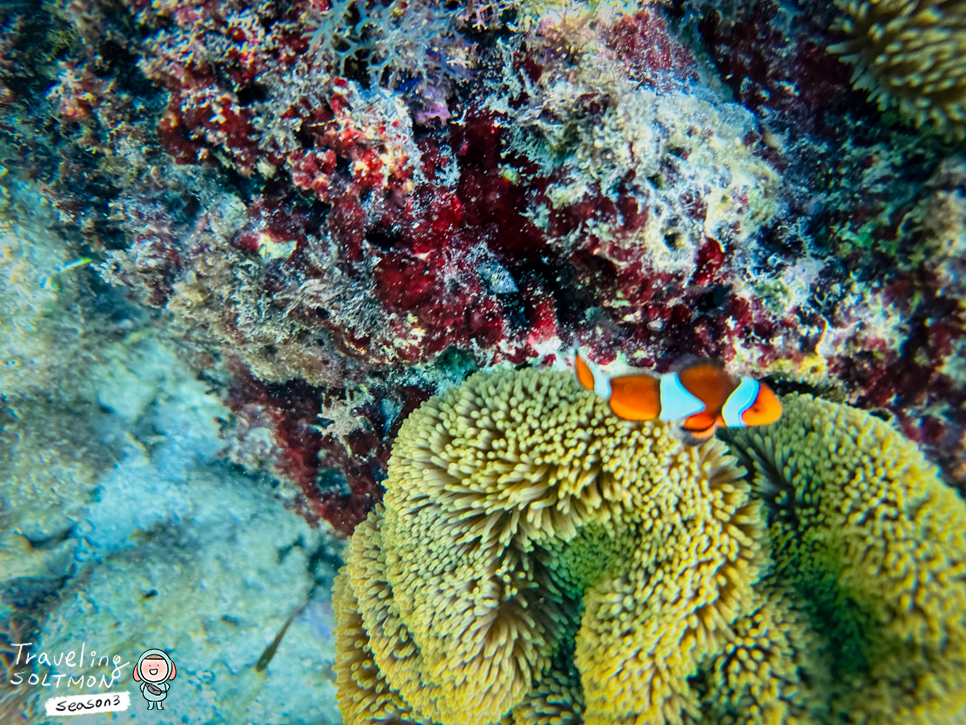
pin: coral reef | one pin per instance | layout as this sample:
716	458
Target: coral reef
241	242
322	198
889	324
910	54
516	496
295	203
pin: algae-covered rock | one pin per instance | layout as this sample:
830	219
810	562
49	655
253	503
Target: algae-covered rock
38	288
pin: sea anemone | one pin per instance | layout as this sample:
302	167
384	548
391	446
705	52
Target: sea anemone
873	544
541	561
910	52
510	499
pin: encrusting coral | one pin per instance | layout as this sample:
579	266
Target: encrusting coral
910	52
540	561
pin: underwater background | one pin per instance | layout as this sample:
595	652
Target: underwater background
242	241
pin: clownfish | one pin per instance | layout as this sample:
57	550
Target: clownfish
701	396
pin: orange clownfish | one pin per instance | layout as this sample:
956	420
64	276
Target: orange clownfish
701	395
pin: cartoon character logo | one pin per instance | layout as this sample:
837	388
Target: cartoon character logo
153	670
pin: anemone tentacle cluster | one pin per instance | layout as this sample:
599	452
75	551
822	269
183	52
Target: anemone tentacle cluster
539	560
508	500
910	52
865	533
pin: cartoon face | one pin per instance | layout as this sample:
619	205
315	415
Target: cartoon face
154	669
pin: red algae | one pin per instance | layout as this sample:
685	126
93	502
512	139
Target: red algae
652	54
357	216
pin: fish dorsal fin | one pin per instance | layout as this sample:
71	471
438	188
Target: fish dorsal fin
585	375
693	361
708	381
